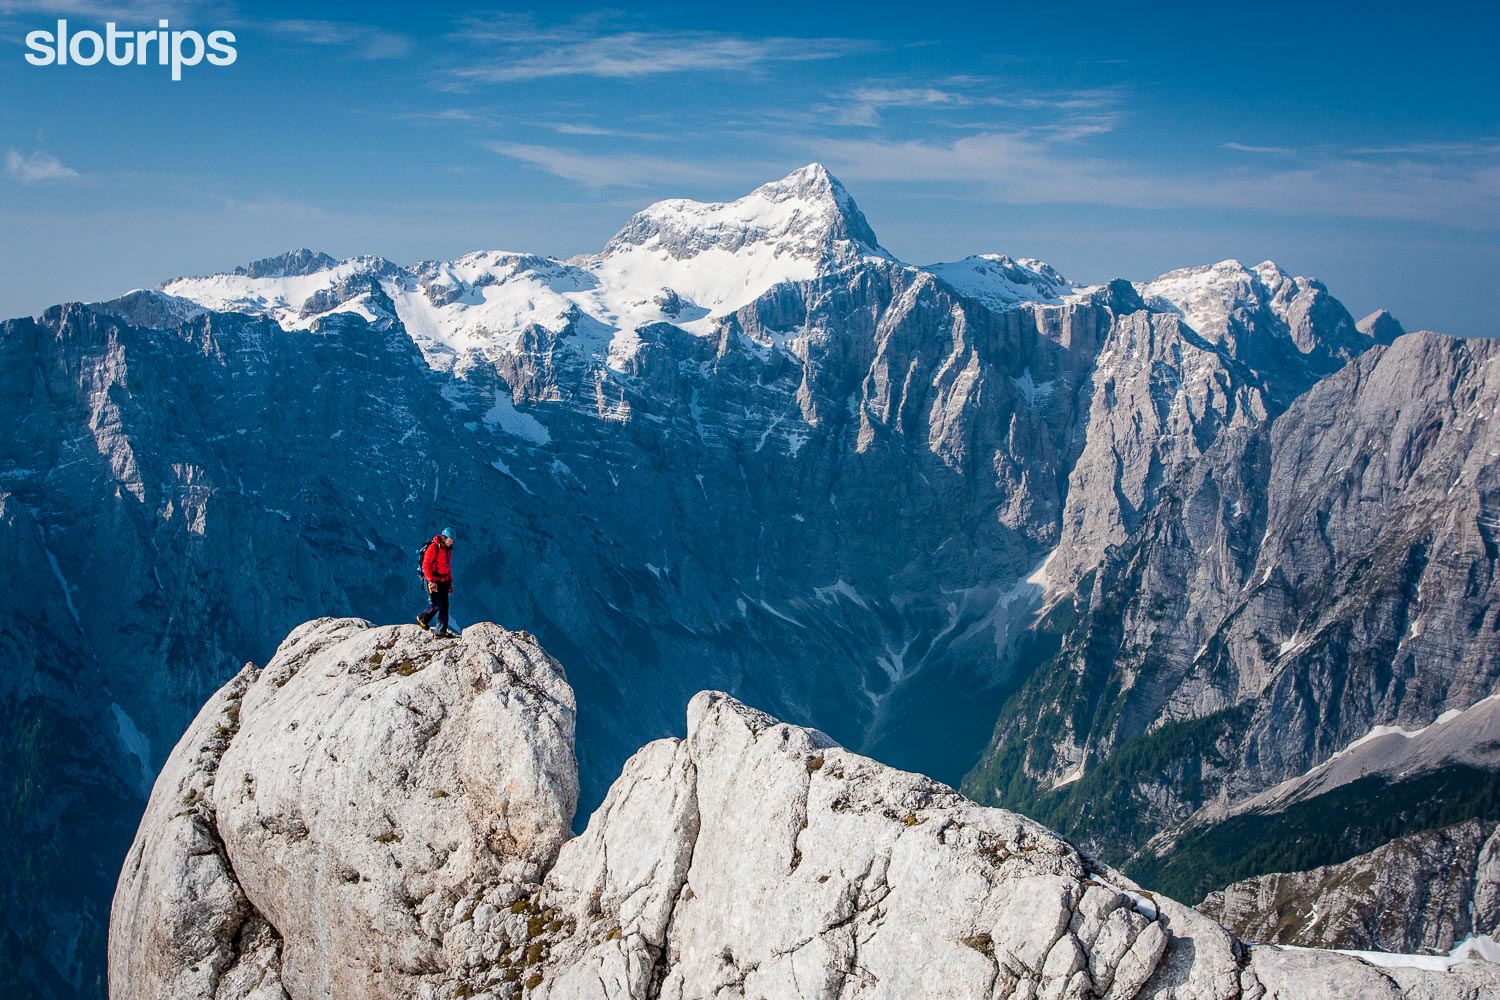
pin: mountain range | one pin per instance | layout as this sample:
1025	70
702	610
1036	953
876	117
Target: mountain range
1121	556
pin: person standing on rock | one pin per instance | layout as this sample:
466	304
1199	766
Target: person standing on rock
437	570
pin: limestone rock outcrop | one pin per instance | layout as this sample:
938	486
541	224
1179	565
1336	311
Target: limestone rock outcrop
1427	892
381	814
341	810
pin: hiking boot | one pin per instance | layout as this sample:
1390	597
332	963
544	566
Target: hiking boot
421	623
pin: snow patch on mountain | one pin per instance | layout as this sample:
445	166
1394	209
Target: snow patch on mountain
1377	732
504	416
1482	948
1001	282
1033	390
275	293
1211	296
683	262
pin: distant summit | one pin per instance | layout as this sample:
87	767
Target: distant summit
743	448
807	214
1380	326
292	264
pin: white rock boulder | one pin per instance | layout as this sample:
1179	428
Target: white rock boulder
378	814
372	786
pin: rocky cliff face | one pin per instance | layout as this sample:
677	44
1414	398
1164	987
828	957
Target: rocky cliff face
741	447
1427	892
377	814
325	821
71	774
1305	583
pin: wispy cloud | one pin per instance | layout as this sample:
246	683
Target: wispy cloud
362	40
1486	148
489	118
517	49
1027	167
598	131
463	115
865	105
1240	147
609	169
37	166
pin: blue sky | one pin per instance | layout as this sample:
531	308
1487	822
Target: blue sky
1361	146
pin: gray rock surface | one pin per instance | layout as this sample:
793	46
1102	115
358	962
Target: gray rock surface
752	858
181	925
1424	893
1161	396
1328	573
1292	975
1381	327
1314	583
342	810
742	447
1193	354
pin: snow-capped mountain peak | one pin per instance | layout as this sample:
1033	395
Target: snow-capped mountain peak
707	259
293	263
680	261
1206	296
1002	282
692	263
1225	301
807	214
294	288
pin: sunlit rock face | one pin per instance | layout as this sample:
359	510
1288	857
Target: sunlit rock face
381	814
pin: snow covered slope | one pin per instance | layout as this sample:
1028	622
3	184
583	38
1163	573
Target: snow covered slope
1002	283
1263	315
691	264
1210	296
679	261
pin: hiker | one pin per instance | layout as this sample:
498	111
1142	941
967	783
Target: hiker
437	570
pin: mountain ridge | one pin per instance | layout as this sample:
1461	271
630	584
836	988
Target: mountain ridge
839	493
822	230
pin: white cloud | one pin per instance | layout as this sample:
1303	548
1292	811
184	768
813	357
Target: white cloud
463	115
587	129
865	104
362	40
1487	148
1030	167
516	49
1240	147
38	166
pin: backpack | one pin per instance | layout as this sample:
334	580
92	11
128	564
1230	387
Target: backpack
422	557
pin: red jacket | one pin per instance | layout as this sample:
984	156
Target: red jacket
437	563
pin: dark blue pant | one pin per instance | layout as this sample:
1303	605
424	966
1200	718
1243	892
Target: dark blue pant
438	594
